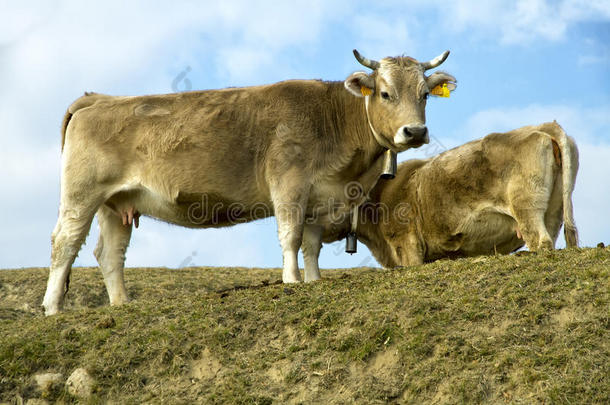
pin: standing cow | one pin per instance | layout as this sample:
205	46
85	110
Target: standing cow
491	195
214	158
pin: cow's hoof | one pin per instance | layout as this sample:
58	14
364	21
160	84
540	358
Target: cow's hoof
119	301
48	311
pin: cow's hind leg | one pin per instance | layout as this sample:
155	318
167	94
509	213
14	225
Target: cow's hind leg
532	226
530	197
70	232
312	243
110	253
553	217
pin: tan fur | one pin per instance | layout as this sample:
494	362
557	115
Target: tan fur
474	200
221	157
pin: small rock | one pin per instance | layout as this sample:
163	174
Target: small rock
80	383
288	291
601	245
46	381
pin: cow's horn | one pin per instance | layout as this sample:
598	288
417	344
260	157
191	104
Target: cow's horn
369	63
436	61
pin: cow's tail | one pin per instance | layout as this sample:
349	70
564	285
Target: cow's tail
569	168
82	102
64	127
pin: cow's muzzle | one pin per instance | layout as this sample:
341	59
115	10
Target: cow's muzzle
411	136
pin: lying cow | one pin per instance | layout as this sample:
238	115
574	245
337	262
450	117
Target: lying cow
491	195
215	158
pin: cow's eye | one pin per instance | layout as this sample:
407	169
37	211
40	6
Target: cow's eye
385	95
426	95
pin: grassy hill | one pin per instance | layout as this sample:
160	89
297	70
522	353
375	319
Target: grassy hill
509	329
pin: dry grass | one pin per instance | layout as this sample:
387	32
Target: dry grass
514	329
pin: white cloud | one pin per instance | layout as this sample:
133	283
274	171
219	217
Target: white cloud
601	58
584	124
384	37
521	21
20	18
581	10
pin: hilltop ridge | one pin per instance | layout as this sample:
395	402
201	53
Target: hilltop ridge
528	328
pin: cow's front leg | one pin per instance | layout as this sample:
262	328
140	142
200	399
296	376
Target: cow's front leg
312	243
290	233
289	204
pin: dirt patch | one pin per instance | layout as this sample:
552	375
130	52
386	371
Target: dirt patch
205	368
496	330
285	339
383	364
279	370
564	317
377	378
442	396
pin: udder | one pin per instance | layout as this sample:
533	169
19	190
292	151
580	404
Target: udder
129	216
127	212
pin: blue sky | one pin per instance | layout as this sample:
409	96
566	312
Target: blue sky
517	63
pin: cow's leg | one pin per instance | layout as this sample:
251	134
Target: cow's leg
553	218
110	253
289	204
529	199
290	233
532	227
312	243
70	232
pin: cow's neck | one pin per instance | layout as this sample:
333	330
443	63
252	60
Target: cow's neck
373	239
357	150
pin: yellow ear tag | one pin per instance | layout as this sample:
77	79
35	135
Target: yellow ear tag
441	91
365	91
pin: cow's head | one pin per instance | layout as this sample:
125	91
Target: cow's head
395	97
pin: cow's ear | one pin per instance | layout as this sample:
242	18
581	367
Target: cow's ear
440	78
360	84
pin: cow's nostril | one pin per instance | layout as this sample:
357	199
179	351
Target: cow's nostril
415	132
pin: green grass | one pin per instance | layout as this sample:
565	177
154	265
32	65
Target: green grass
507	329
